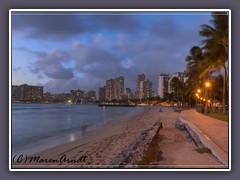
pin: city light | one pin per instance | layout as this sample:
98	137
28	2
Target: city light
207	84
198	90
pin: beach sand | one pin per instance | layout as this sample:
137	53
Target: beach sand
99	147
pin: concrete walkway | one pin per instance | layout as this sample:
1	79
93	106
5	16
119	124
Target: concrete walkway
213	133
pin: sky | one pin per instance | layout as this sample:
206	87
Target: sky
66	51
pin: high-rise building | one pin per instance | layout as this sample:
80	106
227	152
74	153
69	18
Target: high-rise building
109	89
169	85
140	86
148	89
162	84
115	88
182	76
26	92
102	93
144	87
119	88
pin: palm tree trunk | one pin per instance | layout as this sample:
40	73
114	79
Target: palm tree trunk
224	90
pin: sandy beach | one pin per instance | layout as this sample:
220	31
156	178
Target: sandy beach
99	147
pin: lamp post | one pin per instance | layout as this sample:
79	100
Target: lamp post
199	101
206	103
196	102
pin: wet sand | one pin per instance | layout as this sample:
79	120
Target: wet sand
99	147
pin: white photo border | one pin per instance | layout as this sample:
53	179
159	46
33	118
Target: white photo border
115	10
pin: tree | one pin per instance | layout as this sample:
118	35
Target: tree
216	89
194	66
194	69
178	88
216	48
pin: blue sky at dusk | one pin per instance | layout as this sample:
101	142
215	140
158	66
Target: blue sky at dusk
81	50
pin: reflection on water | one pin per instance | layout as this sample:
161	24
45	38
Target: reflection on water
84	129
69	118
72	137
104	114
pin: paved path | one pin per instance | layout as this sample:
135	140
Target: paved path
214	132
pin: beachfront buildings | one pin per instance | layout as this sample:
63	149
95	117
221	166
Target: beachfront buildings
76	95
79	96
162	84
182	76
27	92
140	86
148	89
102	93
144	87
61	97
109	89
119	88
114	89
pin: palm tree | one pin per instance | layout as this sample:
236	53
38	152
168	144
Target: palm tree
216	48
194	69
178	88
194	65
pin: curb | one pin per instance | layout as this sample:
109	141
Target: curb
130	157
200	136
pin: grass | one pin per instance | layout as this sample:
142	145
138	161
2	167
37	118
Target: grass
151	153
203	150
218	115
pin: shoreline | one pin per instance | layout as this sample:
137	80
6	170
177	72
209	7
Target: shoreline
68	136
99	147
123	128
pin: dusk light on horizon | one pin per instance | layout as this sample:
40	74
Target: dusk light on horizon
81	50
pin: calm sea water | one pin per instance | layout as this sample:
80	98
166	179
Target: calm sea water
36	127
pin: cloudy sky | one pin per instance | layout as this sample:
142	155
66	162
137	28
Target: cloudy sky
81	50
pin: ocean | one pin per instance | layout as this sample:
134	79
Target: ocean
37	127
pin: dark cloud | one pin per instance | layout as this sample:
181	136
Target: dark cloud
165	26
47	26
62	27
52	64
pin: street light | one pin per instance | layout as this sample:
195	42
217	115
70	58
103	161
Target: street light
199	102
197	95
207	84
